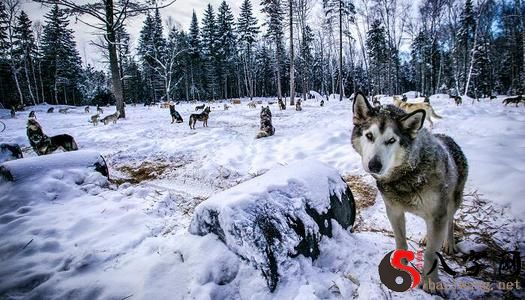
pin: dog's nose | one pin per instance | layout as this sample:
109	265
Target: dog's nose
375	165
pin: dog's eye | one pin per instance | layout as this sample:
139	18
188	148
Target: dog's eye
369	136
390	141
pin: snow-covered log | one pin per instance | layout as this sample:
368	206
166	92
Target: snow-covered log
277	216
20	169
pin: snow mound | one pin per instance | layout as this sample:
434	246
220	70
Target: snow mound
281	214
23	169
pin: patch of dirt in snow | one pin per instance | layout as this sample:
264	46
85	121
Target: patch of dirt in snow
364	193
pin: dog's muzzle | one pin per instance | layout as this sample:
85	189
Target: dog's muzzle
375	165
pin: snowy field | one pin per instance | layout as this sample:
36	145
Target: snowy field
75	235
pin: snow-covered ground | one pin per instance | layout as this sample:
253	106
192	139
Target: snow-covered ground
73	234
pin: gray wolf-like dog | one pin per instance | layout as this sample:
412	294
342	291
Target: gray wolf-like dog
415	171
266	123
514	100
43	144
410	107
111	118
203	117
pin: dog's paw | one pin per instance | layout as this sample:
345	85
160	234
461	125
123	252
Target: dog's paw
433	286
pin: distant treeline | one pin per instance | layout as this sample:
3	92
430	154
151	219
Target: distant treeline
454	47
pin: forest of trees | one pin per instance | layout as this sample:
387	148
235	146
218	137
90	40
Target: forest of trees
379	47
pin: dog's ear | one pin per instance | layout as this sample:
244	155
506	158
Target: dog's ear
413	122
362	109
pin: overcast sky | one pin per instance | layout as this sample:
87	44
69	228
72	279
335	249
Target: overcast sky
180	12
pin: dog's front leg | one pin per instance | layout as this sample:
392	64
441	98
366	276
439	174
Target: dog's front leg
396	216
436	229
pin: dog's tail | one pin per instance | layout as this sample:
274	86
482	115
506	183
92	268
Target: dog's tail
434	113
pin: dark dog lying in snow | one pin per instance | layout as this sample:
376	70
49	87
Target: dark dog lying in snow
10	152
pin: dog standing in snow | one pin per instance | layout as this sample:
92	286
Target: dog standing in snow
203	117
415	171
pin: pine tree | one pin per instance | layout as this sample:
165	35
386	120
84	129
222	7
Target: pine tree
152	48
376	45
60	59
225	46
24	51
274	22
247	31
209	53
195	58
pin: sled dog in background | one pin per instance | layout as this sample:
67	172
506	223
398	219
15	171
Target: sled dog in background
175	116
514	100
282	106
203	117
298	106
199	107
266	123
415	171
43	144
111	118
32	115
94	119
411	107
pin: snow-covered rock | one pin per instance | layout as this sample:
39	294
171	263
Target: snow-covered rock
281	214
21	169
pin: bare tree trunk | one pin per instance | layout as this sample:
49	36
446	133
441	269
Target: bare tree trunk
113	59
341	50
292	67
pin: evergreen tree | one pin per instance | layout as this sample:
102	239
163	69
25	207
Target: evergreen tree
274	23
376	45
195	57
225	47
24	51
247	31
61	62
209	52
151	48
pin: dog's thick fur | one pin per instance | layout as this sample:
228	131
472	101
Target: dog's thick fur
322	103
199	107
43	144
99	109
50	110
86	109
415	171
252	104
32	114
111	118
175	116
514	100
411	107
226	107
63	110
267	128
203	117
